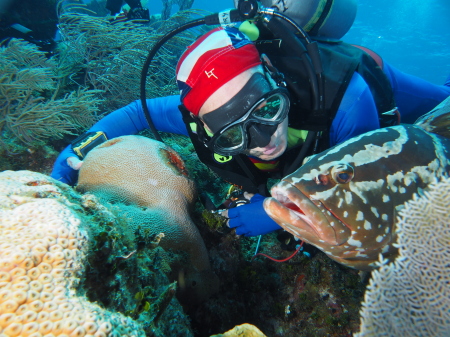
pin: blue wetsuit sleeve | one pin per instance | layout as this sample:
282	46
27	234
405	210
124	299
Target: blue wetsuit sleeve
251	219
356	114
414	96
447	82
128	120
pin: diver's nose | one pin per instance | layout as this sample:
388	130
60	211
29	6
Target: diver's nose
260	135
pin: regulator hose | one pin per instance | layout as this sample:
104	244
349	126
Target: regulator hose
147	63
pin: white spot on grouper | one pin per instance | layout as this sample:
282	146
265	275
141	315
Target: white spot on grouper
392	179
361	188
379	238
402	190
345	214
361	255
409	178
367	225
343	145
348	198
324	195
373	153
385	217
428	173
375	211
354	242
386	198
340	202
387	230
359	216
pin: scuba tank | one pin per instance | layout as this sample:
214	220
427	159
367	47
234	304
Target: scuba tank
324	19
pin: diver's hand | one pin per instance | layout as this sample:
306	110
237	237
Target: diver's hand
74	163
66	170
251	219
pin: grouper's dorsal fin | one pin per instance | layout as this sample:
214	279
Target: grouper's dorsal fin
437	120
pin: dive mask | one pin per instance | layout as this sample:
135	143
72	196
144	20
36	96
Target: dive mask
248	120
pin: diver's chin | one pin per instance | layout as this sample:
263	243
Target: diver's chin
268	152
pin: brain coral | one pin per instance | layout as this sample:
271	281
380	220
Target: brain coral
148	181
410	297
43	244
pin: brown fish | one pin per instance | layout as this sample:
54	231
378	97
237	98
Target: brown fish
345	200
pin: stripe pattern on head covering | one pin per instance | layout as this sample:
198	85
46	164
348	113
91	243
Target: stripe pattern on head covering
210	62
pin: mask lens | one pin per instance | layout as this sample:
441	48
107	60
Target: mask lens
230	138
270	109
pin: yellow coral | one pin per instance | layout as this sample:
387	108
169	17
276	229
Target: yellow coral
243	330
43	245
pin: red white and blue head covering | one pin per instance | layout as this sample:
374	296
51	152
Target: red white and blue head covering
210	62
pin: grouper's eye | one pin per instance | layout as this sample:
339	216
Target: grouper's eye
342	173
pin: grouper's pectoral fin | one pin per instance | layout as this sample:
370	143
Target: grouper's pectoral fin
437	121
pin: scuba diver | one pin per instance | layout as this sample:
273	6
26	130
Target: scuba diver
254	107
18	19
136	11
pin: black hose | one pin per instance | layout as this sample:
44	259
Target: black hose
146	66
311	62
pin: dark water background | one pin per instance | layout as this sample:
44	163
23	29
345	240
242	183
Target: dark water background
412	35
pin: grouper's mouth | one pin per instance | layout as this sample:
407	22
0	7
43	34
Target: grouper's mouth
306	219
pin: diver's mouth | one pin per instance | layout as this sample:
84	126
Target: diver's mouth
291	208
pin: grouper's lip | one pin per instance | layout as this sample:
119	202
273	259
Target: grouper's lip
296	209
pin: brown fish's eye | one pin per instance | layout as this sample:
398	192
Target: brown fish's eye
342	173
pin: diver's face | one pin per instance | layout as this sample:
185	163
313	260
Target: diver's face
276	146
278	134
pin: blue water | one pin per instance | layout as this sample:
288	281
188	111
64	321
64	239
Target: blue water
412	35
209	5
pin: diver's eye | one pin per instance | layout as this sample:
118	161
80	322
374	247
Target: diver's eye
342	173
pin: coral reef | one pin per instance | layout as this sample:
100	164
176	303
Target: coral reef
110	57
31	107
43	245
65	269
148	182
410	297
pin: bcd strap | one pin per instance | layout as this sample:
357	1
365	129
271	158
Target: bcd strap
377	58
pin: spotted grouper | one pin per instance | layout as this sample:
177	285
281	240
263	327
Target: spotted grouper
345	200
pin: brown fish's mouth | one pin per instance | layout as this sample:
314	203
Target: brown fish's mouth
295	212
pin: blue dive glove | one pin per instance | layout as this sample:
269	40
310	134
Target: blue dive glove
62	171
251	219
